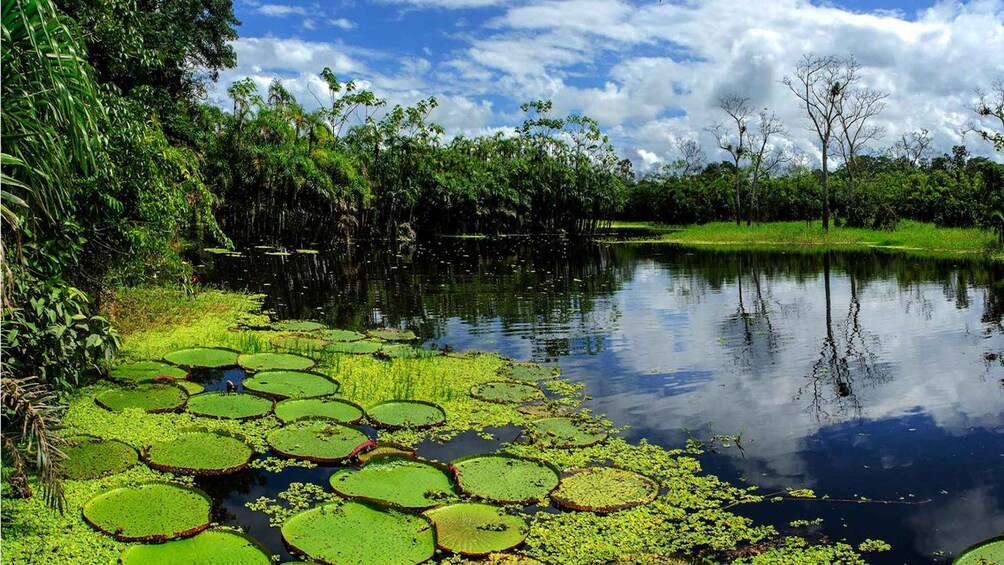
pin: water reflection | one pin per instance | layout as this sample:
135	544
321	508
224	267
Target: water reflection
857	374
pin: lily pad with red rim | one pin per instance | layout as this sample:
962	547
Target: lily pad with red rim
200	453
336	409
384	449
291	384
220	546
93	458
476	530
394	414
229	406
506	392
401	482
604	489
317	441
151	397
155	511
505	478
567	432
274	362
203	358
146	371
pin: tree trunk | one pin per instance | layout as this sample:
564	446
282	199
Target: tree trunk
826	192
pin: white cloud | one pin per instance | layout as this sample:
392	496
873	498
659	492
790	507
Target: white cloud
342	23
281	10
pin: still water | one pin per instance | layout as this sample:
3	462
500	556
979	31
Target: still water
858	375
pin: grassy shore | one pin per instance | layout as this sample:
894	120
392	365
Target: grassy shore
916	237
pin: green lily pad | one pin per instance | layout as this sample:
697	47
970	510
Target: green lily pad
567	432
397	481
299	326
364	347
200	453
393	334
527	372
360	534
604	489
96	458
203	358
385	449
335	409
291	384
343	335
476	530
320	442
146	371
297	342
217	250
152	397
229	406
274	362
212	547
192	388
505	478
394	414
504	392
987	552
149	512
308	251
402	351
278	253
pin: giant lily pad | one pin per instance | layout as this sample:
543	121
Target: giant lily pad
211	547
604	489
360	534
229	406
299	326
335	409
275	362
345	336
505	478
397	481
394	414
297	342
402	351
364	347
192	388
95	458
393	334
527	372
203	358
146	371
320	442
568	432
505	392
149	512
987	552
477	529
150	397
385	449
200	453
291	384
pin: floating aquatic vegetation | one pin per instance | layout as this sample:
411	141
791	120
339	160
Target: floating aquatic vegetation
337	409
476	530
505	478
229	406
364	347
217	250
505	392
987	552
274	362
149	512
343	335
191	387
394	414
217	546
298	342
92	458
384	449
361	534
567	432
299	326
308	251
200	453
320	442
393	334
527	372
403	351
151	397
203	358
291	384
146	371
397	481
604	489
278	253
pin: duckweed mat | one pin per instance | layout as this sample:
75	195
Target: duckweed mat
567	432
406	414
360	534
505	392
527	372
320	442
604	489
988	552
505	478
274	362
299	326
148	396
397	481
229	406
393	334
94	458
149	512
364	347
200	453
203	358
476	530
337	409
211	547
146	371
344	336
291	384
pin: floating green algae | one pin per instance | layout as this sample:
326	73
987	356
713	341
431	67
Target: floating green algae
274	362
567	432
291	384
364	347
477	530
527	372
505	478
151	397
200	453
393	334
203	358
96	458
360	534
604	489
299	326
987	552
385	449
149	512
146	371
505	392
343	335
336	409
297	342
229	406
320	442
406	414
397	481
211	547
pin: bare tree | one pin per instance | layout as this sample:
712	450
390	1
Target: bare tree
989	106
914	147
692	156
821	83
765	157
859	106
735	144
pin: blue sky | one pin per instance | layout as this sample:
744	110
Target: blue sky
650	72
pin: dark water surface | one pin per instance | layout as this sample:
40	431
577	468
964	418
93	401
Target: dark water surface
853	374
